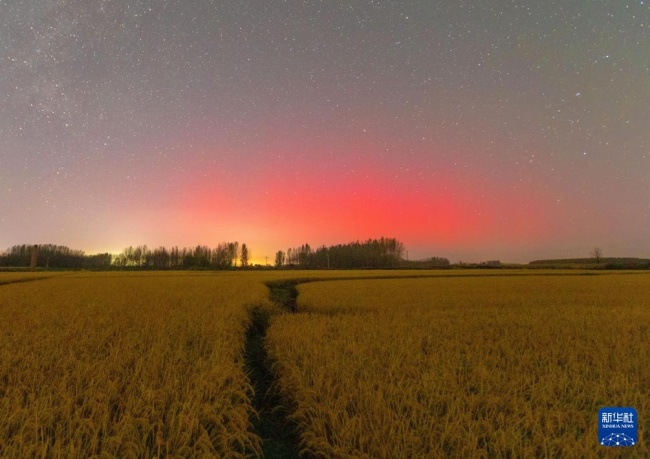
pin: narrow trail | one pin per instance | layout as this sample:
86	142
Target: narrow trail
278	432
284	293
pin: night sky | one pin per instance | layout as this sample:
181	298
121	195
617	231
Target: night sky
473	130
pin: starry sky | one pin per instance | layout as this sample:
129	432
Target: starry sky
474	130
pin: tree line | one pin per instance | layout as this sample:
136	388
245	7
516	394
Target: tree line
53	256
382	253
371	254
224	256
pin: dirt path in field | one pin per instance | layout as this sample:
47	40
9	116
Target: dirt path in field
278	432
285	293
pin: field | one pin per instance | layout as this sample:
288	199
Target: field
449	364
126	365
507	366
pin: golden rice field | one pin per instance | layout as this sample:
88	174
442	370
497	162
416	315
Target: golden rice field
491	366
126	365
458	364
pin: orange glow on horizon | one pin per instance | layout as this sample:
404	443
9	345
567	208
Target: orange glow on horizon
286	201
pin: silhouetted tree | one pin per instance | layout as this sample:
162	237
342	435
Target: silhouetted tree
233	251
244	255
597	253
221	256
279	258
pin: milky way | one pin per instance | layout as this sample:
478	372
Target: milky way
473	130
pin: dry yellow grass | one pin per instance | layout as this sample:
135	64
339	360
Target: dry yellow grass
126	365
465	367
